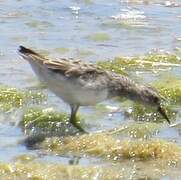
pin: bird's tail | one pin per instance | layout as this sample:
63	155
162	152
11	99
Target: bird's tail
31	55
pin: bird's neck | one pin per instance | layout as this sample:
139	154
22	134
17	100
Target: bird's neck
125	87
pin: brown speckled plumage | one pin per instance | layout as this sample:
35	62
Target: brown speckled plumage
81	84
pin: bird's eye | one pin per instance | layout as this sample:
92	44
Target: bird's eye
155	99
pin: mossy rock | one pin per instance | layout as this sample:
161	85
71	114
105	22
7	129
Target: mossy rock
43	170
47	121
108	147
11	98
146	150
38	170
93	144
44	119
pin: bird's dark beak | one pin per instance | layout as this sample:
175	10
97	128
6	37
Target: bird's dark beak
163	113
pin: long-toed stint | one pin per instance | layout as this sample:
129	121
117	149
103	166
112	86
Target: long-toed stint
81	84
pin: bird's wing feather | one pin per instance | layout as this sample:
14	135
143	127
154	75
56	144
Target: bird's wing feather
72	68
31	55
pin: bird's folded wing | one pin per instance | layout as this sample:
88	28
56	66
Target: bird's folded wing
64	66
57	65
71	68
31	55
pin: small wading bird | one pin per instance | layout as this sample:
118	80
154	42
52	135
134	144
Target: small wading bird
81	84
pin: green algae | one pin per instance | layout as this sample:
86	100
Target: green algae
47	121
145	113
112	66
62	50
170	88
41	25
88	2
11	98
43	52
146	150
93	144
105	146
149	62
42	171
38	170
25	158
138	130
99	37
84	53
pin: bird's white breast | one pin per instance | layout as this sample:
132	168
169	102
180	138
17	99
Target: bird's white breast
70	91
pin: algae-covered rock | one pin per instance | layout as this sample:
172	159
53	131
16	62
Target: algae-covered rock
108	147
13	98
93	144
38	170
42	171
146	150
47	121
150	62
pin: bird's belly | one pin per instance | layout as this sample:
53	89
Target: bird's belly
72	92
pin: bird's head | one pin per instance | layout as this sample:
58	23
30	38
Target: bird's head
151	97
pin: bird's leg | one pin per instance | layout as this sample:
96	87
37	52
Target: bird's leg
73	120
163	113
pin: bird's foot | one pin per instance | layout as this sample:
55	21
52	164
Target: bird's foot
77	126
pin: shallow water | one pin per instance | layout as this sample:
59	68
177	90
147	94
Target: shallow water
89	30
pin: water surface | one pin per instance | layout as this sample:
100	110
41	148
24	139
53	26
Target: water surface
91	30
